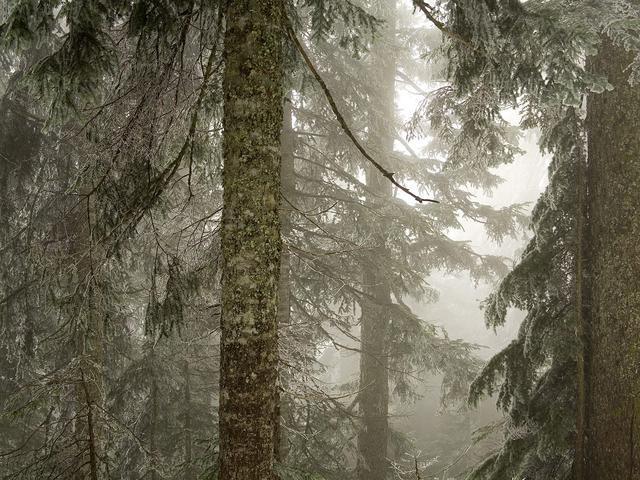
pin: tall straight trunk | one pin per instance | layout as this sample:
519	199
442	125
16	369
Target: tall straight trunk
582	315
88	396
373	437
250	237
155	411
88	321
613	404
188	442
288	190
284	295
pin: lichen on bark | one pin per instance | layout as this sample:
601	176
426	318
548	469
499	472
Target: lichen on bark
250	237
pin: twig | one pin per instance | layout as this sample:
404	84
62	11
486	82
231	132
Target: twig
385	173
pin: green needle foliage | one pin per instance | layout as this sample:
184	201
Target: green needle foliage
531	56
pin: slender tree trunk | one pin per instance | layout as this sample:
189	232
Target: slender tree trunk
288	189
582	312
373	438
88	394
188	442
92	440
284	294
613	413
155	411
88	321
250	237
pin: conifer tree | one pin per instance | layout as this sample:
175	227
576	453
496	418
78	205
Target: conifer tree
373	398
338	222
493	44
103	170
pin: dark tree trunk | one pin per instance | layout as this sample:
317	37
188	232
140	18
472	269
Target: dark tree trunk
188	442
250	237
86	317
613	405
155	410
373	438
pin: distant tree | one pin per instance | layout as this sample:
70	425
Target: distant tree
373	397
86	210
336	227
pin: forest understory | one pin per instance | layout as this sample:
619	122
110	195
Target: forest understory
319	239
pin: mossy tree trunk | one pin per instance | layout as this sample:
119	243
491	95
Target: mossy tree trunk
613	404
373	438
250	237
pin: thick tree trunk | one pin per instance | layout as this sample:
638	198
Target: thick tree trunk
613	406
250	237
373	438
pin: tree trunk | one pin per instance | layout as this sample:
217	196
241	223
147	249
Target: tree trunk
613	412
582	311
250	237
373	438
284	294
188	442
155	413
88	321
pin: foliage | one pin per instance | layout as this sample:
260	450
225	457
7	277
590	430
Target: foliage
112	242
531	56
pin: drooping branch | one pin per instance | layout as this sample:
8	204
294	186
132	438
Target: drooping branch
343	123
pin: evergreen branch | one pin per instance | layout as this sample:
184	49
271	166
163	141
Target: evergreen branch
343	123
425	8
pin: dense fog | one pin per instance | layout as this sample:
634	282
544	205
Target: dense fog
319	239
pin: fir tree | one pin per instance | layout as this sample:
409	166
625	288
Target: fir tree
493	45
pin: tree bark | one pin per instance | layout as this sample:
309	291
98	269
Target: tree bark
89	336
613	405
188	442
250	237
373	438
155	413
